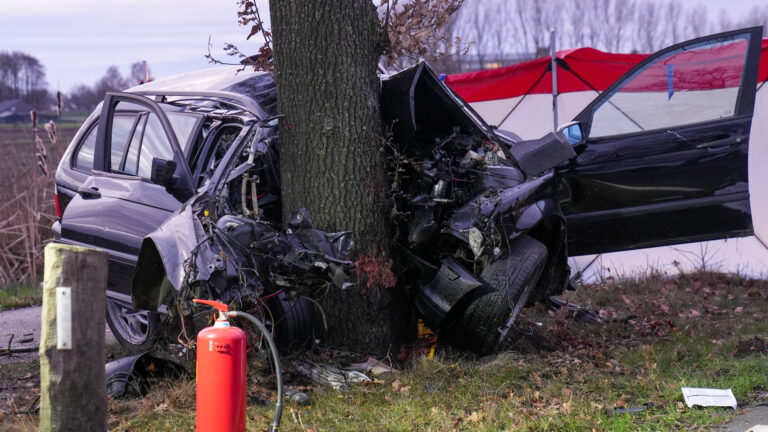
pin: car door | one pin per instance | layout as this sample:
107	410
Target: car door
117	204
664	159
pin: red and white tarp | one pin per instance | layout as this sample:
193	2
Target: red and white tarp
518	98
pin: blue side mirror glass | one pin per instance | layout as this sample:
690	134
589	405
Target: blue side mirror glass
573	134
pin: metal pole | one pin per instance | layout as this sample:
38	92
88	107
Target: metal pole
552	54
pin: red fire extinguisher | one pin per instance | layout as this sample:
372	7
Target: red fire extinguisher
221	373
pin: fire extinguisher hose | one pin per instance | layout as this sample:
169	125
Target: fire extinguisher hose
275	426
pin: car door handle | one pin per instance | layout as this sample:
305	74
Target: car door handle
729	140
89	192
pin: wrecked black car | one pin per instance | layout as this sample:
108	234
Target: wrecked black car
479	230
178	180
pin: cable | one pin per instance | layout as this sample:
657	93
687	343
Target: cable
275	426
319	308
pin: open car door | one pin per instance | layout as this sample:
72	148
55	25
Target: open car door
664	154
120	200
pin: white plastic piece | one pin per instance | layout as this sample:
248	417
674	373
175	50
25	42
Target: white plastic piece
476	241
63	318
709	397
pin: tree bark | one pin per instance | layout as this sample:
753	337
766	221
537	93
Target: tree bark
326	53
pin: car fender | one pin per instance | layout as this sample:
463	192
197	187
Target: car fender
531	215
162	257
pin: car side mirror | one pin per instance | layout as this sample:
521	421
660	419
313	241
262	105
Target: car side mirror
573	132
162	172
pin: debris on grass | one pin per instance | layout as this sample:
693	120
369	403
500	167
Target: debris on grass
372	366
709	397
330	376
631	409
580	314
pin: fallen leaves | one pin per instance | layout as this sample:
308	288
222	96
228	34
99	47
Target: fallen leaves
398	387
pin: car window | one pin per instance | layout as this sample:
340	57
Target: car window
122	126
132	155
84	158
183	125
154	144
692	84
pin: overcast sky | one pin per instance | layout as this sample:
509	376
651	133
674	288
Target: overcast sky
76	40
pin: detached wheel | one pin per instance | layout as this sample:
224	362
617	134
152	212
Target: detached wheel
294	321
479	327
133	328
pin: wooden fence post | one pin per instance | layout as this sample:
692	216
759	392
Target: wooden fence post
72	354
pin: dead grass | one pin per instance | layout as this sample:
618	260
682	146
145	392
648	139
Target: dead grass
26	198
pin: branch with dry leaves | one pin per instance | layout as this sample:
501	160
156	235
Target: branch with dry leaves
409	29
248	15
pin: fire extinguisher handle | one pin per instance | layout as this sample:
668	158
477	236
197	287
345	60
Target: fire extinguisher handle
221	307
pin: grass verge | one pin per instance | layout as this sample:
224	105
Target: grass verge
702	330
20	294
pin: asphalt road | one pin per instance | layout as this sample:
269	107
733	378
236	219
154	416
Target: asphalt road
754	419
21	327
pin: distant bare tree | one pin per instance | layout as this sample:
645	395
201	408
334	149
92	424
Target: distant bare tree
23	77
500	32
724	21
480	18
758	15
500	29
596	11
577	20
84	98
673	25
521	25
697	22
621	13
80	98
533	20
648	34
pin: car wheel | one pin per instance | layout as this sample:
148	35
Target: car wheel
133	328
479	327
294	321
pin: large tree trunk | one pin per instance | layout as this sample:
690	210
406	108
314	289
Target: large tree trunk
326	54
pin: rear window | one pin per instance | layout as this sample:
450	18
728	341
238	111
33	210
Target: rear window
84	157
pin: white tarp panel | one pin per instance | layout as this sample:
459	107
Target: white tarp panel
758	166
530	117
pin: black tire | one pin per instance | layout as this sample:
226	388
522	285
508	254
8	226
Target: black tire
135	329
478	328
294	321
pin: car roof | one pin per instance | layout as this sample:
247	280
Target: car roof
257	86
